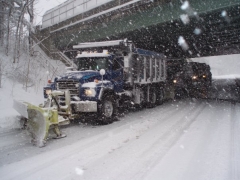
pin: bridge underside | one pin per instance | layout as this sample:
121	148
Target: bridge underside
211	32
206	35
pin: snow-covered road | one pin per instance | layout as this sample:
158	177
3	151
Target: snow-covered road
180	140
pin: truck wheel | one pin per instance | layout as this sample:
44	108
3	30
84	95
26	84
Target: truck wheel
160	97
107	110
152	98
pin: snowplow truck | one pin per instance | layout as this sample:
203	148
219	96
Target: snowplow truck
110	76
106	78
190	79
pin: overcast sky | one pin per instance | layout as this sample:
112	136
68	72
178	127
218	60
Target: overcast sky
43	5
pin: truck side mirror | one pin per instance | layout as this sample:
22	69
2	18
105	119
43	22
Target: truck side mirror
102	72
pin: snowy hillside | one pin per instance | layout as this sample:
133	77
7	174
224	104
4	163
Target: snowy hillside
22	84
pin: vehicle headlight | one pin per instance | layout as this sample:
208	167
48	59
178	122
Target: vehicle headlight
90	92
174	81
48	91
194	77
204	76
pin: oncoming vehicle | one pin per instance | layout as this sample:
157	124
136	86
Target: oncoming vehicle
190	79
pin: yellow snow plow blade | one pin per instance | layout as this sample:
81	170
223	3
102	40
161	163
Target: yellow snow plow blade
38	121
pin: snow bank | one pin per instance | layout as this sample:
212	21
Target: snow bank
222	65
13	86
231	76
12	90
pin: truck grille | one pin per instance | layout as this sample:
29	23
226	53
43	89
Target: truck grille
68	84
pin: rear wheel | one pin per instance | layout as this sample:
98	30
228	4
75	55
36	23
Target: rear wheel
160	97
152	98
107	110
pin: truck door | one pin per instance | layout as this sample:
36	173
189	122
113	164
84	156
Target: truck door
117	74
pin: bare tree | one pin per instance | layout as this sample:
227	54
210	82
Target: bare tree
12	12
16	35
2	12
30	10
8	30
18	32
1	73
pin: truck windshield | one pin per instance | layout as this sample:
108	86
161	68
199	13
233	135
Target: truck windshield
92	63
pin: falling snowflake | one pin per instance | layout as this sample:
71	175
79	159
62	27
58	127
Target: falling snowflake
197	31
183	43
185	5
224	13
184	18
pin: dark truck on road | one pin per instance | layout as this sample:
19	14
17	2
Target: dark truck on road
190	79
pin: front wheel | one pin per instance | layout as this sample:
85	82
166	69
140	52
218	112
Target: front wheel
107	110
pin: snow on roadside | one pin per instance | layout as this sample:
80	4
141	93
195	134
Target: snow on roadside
11	88
10	91
231	76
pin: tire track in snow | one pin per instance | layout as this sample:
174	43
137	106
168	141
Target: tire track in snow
9	132
142	151
216	150
84	146
168	139
205	154
12	141
92	152
209	152
16	146
119	140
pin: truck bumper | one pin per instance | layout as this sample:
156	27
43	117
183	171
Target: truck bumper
84	106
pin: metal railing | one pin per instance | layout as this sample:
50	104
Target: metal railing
56	54
65	59
45	62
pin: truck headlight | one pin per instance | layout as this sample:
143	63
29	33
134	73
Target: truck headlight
194	77
90	92
175	81
48	91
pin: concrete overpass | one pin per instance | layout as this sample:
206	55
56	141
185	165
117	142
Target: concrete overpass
178	29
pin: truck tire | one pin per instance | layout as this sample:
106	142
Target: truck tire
160	97
153	98
107	110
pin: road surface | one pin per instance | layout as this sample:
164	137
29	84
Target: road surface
179	140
